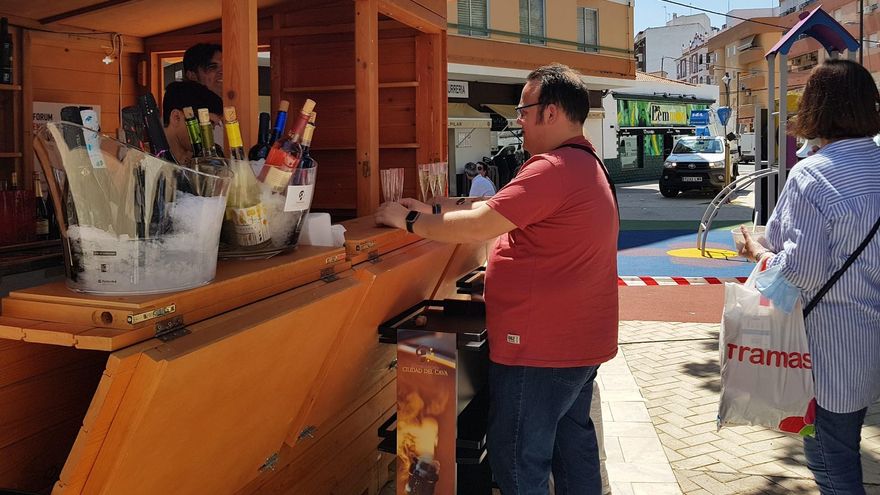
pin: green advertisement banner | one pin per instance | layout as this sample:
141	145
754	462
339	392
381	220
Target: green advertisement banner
641	113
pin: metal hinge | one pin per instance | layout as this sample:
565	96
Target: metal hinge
171	329
329	275
270	463
373	257
308	432
366	168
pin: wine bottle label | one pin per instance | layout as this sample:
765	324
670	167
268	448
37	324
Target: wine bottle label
43	226
299	198
251	224
277	179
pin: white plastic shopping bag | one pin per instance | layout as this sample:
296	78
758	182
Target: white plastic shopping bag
766	369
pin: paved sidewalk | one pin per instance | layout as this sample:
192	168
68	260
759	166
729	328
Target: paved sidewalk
675	366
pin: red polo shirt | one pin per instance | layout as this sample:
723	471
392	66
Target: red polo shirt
551	283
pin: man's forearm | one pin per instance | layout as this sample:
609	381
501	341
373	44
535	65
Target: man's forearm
457	204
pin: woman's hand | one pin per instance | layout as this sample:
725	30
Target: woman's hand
752	249
392	214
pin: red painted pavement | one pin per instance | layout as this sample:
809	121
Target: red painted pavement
683	303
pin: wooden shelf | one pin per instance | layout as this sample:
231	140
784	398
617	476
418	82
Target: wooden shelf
10	155
320	89
348	87
339	147
402	84
10	87
399	146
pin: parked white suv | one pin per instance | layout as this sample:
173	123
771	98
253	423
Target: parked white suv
696	162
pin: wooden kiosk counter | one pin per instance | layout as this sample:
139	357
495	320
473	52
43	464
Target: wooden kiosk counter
270	379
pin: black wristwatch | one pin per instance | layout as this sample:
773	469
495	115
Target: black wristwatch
411	218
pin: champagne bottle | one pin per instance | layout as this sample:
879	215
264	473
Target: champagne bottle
192	128
233	134
307	161
5	52
285	155
246	223
42	210
261	149
280	122
209	148
156	133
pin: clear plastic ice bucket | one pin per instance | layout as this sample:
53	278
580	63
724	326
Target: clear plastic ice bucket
132	223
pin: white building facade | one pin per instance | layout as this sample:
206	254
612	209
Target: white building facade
658	48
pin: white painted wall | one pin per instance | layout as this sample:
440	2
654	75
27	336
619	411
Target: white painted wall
595	133
470	145
666	42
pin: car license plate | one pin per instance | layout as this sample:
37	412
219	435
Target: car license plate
691	179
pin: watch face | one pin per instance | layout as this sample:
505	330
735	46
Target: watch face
411	216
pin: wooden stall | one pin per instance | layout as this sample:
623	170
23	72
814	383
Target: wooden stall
270	379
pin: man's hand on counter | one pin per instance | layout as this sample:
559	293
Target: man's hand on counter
416	205
393	214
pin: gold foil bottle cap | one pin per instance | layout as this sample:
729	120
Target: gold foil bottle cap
312	117
188	113
283	105
229	114
204	116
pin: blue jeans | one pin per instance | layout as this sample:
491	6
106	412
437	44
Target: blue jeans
539	421
833	455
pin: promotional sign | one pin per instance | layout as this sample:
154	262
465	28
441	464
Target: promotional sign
699	117
426	412
640	113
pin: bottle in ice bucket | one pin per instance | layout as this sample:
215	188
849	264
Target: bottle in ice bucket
423	476
286	154
245	223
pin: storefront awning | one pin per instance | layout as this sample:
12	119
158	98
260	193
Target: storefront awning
506	111
464	116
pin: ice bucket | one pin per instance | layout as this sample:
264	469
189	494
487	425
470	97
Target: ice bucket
132	223
284	212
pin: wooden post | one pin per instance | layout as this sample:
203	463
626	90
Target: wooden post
367	104
239	25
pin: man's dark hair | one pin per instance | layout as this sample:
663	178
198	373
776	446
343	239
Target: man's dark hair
199	56
840	101
181	94
562	85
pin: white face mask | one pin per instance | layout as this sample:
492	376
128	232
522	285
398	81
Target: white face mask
218	135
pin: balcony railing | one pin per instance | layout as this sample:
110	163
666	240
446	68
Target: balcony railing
540	40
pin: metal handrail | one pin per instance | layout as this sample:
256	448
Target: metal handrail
721	199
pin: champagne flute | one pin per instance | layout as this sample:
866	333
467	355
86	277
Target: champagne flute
424	170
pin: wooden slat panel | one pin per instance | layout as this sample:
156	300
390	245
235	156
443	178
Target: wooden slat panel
415	15
305	470
337	178
54	56
239	26
367	104
167	439
96	423
359	361
324	64
329	12
464	260
44	395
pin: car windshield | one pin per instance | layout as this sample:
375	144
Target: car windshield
697	146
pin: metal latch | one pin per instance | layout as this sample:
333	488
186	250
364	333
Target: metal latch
308	432
329	275
171	329
153	313
270	463
373	256
393	364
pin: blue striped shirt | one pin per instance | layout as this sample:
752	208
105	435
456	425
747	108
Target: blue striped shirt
829	204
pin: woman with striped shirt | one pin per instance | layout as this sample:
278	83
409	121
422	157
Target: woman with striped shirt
830	202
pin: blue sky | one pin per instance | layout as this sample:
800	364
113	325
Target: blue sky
650	13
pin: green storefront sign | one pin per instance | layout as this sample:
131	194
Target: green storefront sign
642	113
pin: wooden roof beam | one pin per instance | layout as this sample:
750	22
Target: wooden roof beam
83	10
239	24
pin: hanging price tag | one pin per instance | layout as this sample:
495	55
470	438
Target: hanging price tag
299	198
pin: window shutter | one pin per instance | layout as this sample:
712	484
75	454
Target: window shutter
582	28
479	17
524	20
591	29
536	20
464	17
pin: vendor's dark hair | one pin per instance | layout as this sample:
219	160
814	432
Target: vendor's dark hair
562	86
840	101
181	94
199	55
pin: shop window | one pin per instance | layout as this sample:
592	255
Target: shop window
653	146
473	18
588	29
628	150
531	21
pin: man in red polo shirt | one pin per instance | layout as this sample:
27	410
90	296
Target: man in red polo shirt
551	290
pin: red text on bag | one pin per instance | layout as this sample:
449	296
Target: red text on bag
769	357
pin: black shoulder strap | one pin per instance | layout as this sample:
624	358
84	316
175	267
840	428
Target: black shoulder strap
849	261
604	170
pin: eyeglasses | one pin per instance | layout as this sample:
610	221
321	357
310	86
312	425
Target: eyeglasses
211	67
519	110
